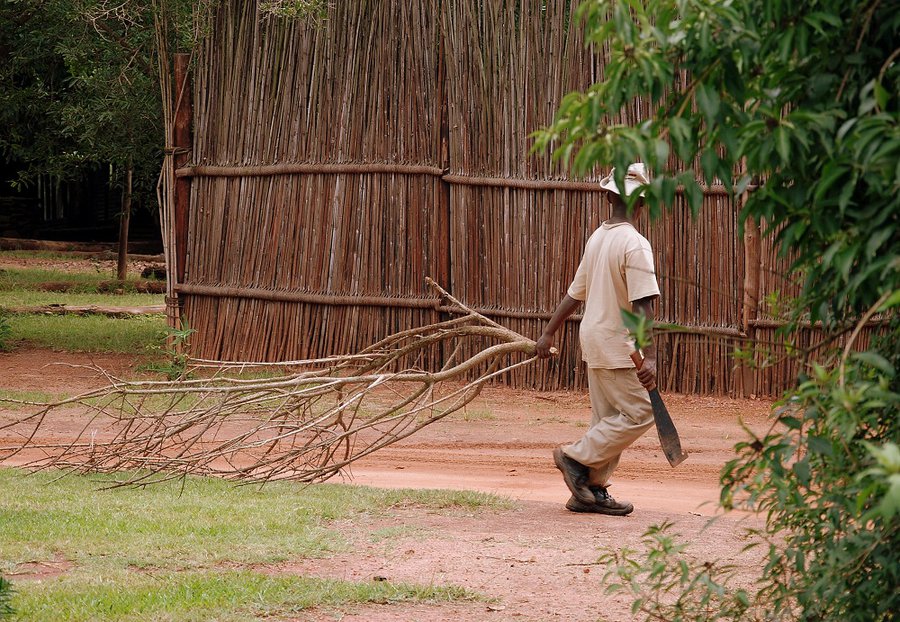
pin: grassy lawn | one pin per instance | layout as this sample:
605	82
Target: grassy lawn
31	298
20	288
86	281
191	550
89	333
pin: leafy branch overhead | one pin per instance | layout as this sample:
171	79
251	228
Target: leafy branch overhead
801	96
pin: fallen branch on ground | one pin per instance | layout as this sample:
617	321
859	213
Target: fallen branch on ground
308	425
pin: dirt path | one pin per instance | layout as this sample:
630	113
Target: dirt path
534	563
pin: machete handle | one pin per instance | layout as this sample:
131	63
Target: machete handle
638	361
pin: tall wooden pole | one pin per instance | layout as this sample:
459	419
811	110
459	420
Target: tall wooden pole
750	312
182	144
124	223
443	263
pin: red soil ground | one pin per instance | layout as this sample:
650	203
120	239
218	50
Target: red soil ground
536	562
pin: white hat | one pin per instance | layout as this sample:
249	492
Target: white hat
634	177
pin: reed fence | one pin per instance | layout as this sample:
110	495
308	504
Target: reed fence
334	167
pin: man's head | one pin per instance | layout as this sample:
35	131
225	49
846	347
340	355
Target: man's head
635	176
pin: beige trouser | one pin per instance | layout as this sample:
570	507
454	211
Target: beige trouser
621	412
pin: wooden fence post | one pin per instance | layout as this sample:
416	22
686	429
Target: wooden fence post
442	233
182	144
750	311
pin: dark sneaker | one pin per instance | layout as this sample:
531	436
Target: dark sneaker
622	509
574	505
603	499
575	475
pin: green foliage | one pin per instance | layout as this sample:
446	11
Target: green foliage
883	481
804	94
640	327
5	331
6	593
78	91
668	583
80	87
797	103
175	353
828	477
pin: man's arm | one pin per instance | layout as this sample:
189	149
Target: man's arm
565	308
647	372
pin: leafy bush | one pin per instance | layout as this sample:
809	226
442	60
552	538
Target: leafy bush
174	354
5	598
667	583
828	477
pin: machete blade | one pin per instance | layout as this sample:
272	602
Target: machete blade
665	428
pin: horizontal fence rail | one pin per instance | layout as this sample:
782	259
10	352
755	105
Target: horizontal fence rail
266	170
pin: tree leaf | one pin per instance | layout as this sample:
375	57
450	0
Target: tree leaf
708	100
881	96
709	160
680	131
892	301
694	195
872	358
783	145
878	238
832	172
802	471
661	149
820	445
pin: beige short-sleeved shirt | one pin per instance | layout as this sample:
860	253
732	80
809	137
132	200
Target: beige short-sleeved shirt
616	269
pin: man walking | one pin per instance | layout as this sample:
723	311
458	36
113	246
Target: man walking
616	272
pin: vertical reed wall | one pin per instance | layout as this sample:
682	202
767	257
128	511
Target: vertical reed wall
334	168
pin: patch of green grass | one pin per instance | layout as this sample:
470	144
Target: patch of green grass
220	596
27	396
191	523
88	281
185	550
43	255
474	414
5	332
89	333
31	298
14	283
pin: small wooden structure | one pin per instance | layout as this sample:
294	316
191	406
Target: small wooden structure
333	167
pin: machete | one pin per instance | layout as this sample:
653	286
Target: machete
668	435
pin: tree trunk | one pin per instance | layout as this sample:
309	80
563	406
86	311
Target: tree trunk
124	221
